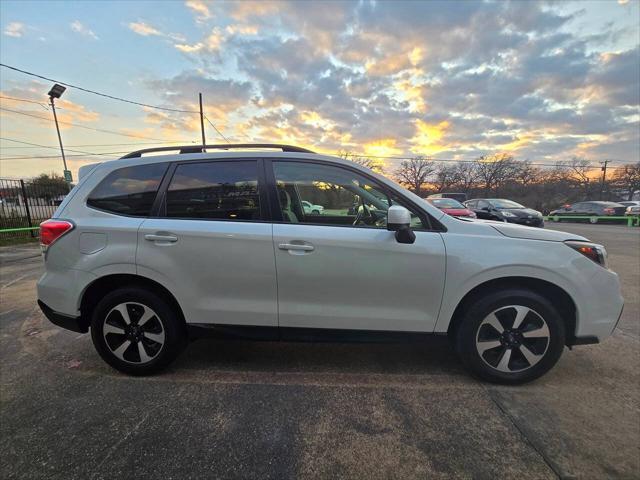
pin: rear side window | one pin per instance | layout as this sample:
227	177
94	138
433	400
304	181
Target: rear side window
214	190
129	191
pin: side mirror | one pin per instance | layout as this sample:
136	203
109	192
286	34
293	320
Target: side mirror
399	221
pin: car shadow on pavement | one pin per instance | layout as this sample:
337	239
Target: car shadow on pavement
435	356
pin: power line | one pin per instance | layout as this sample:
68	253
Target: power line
214	127
40	146
95	144
25	100
41	157
452	160
80	126
112	97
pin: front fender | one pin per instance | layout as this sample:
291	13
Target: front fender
502	257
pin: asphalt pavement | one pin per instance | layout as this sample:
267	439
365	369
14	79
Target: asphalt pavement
288	410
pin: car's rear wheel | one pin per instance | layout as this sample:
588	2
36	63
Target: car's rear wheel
316	212
136	331
510	337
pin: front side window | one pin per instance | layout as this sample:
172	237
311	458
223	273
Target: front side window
214	190
337	196
129	190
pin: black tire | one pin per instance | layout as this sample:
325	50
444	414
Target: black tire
165	321
315	212
504	303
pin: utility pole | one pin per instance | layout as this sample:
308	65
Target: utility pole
604	177
202	123
56	92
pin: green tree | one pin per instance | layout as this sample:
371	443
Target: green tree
48	186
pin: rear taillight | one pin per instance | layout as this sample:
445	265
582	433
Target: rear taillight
609	211
52	230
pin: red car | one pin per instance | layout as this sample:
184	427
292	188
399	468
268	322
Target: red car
451	207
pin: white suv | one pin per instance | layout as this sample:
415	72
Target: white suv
149	251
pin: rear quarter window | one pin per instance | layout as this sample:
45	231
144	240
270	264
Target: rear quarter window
129	190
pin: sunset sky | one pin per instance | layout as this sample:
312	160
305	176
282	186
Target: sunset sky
453	80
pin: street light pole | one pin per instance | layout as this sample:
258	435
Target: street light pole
204	142
55	117
604	177
56	92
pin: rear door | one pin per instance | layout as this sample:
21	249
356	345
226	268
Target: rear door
342	269
211	243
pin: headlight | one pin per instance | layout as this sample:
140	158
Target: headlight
508	214
592	251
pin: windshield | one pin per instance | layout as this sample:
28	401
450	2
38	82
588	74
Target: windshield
498	203
446	203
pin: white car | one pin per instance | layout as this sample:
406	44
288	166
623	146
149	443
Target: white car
149	251
312	209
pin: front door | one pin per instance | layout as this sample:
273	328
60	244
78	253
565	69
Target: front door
211	245
341	268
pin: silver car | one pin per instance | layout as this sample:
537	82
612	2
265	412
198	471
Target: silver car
149	251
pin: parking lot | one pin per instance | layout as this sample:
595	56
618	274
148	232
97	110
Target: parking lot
287	410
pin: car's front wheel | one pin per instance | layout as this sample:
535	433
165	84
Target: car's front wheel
136	331
511	336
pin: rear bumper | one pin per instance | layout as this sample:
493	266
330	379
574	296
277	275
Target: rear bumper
75	324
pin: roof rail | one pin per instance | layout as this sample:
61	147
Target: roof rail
225	146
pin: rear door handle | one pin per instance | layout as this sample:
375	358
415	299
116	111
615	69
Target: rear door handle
296	246
160	238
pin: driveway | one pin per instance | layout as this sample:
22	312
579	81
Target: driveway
287	410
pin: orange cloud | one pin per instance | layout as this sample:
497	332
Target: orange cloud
382	148
428	136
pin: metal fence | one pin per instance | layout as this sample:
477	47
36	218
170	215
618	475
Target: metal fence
23	205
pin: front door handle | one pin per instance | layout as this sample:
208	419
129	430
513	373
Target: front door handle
296	246
160	238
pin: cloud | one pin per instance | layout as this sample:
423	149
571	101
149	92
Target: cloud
78	27
144	29
67	111
450	79
15	29
199	8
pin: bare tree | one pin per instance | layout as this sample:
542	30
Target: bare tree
466	175
447	176
627	179
526	174
376	165
495	170
415	172
580	173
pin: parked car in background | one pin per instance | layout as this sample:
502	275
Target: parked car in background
592	209
461	197
451	207
633	210
504	210
310	208
630	203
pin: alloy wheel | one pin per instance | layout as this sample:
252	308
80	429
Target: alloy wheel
133	333
512	338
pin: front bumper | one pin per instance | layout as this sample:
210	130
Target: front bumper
75	324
